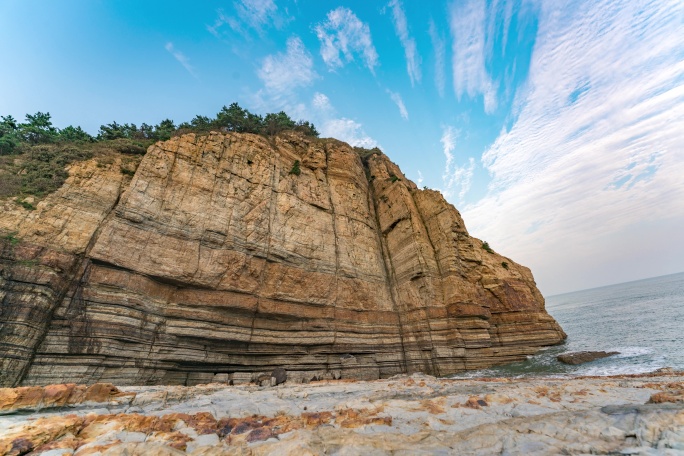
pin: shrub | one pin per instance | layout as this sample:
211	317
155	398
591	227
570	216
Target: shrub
393	178
10	184
504	265
26	205
43	170
295	168
485	245
11	238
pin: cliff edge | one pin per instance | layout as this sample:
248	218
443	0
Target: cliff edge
228	255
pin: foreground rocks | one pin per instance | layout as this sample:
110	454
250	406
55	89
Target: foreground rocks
582	357
217	262
403	415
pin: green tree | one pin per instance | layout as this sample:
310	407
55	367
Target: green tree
275	123
146	131
164	130
307	128
201	123
9	137
38	128
111	131
72	133
234	118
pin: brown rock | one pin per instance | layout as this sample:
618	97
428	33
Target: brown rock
36	397
215	262
659	398
583	357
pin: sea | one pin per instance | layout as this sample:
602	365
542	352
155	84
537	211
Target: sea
642	320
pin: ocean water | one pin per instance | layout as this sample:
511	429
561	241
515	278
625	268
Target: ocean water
643	320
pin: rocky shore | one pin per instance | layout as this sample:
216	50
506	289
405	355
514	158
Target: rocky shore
417	414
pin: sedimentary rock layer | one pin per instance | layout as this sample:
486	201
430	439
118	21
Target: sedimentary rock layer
219	261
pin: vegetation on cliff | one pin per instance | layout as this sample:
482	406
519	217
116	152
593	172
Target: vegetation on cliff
34	154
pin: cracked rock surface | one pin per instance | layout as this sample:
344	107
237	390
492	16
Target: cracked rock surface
416	414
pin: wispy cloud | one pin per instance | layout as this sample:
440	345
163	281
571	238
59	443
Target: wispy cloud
348	131
182	59
396	98
286	71
322	103
413	59
256	15
455	178
467	24
342	128
439	48
596	150
342	36
282	74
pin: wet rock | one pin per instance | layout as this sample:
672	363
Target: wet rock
582	357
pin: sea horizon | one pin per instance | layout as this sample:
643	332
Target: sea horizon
609	285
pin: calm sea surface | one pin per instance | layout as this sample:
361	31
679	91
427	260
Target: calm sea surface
643	320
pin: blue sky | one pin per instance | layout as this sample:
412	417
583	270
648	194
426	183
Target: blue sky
556	127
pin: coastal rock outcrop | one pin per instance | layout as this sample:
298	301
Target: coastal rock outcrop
227	256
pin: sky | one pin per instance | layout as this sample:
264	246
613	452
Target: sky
555	127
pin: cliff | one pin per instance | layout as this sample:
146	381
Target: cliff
217	261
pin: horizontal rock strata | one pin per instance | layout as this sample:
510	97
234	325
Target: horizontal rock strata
415	414
218	262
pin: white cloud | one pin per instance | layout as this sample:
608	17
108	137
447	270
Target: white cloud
182	59
282	75
455	178
419	181
396	98
284	72
344	35
409	44
467	23
596	151
439	48
342	128
248	15
321	102
256	13
349	131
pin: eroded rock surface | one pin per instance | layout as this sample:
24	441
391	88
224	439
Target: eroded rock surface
416	414
216	263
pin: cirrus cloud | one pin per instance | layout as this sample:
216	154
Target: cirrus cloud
596	151
342	36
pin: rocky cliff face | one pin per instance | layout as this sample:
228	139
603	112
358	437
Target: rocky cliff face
215	262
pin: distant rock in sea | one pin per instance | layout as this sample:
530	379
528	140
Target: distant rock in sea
582	357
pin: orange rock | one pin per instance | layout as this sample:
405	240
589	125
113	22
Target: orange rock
475	402
673	396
